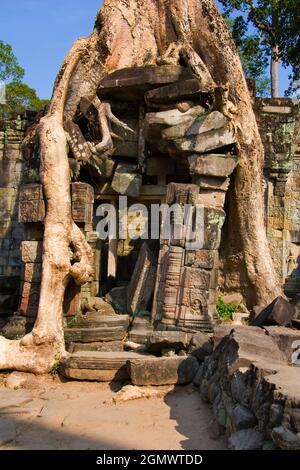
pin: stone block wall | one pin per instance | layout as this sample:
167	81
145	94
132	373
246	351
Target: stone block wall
279	124
31	214
22	212
11	231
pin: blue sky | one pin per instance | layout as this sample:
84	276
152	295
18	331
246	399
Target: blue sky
42	31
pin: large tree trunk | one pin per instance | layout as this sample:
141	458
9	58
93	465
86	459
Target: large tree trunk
275	61
129	33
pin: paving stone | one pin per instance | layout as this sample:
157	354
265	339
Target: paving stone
31	251
173	117
103	346
94	320
7	431
201	125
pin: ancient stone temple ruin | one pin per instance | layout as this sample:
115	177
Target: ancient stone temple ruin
173	148
159	153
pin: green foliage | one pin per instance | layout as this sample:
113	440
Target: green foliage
276	23
19	96
73	322
254	56
56	366
33	175
10	70
226	311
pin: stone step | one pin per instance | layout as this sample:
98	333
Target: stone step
139	335
163	370
142	369
142	323
94	320
157	341
99	366
205	326
92	335
101	346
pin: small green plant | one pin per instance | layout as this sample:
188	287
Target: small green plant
226	311
33	175
72	323
56	366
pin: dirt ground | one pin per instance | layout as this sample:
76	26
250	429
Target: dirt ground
51	414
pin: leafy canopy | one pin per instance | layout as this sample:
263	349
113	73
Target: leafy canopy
19	96
277	23
10	70
254	57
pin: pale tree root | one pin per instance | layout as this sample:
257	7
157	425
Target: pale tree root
106	146
38	359
182	49
65	254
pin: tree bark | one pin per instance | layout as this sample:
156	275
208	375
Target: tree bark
137	33
275	61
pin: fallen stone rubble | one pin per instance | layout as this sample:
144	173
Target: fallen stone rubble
254	392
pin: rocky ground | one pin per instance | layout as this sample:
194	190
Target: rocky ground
47	413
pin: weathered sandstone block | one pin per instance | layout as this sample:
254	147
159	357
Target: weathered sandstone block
142	283
178	91
163	370
126	181
201	125
31	251
159	340
217	165
205	142
82	202
32	272
31	204
129	83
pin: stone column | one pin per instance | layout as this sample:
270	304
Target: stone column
185	292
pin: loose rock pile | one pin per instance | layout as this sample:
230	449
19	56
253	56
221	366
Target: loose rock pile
255	394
